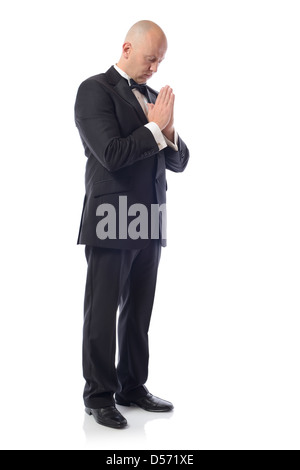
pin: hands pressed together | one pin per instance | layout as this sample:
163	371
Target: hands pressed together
162	112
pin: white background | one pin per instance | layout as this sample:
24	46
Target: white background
225	331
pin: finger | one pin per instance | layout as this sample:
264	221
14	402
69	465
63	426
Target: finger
164	96
173	99
166	91
161	96
168	96
168	101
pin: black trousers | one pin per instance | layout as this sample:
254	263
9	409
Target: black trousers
124	279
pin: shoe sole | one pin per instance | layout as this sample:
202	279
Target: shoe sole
123	403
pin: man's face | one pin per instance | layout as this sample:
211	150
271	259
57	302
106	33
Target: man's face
145	57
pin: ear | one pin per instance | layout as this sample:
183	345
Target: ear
127	48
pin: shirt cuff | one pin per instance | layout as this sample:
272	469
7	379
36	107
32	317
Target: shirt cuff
157	134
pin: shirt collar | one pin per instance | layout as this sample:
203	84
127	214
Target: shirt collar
123	74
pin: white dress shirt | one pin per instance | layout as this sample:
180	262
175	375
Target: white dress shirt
160	139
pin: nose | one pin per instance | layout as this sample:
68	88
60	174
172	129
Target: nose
154	67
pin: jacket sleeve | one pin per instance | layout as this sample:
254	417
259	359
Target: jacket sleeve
99	129
177	161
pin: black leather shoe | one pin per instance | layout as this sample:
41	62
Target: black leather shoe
108	416
148	403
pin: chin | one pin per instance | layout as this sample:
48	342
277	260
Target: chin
142	78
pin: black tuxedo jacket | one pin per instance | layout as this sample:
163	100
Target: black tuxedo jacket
123	156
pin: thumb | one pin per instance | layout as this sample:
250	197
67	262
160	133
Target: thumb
150	106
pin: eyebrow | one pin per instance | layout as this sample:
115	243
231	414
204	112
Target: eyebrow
154	58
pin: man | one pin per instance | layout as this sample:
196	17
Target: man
128	134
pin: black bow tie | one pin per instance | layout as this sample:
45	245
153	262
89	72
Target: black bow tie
141	87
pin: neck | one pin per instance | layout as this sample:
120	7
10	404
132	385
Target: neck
122	66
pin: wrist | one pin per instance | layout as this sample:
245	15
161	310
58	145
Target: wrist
169	133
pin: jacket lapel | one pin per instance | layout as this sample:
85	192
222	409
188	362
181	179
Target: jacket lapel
121	87
152	94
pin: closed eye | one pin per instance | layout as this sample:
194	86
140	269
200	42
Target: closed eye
154	59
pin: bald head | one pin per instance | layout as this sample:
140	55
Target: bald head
141	29
144	49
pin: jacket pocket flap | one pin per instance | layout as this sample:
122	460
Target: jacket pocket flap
111	186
